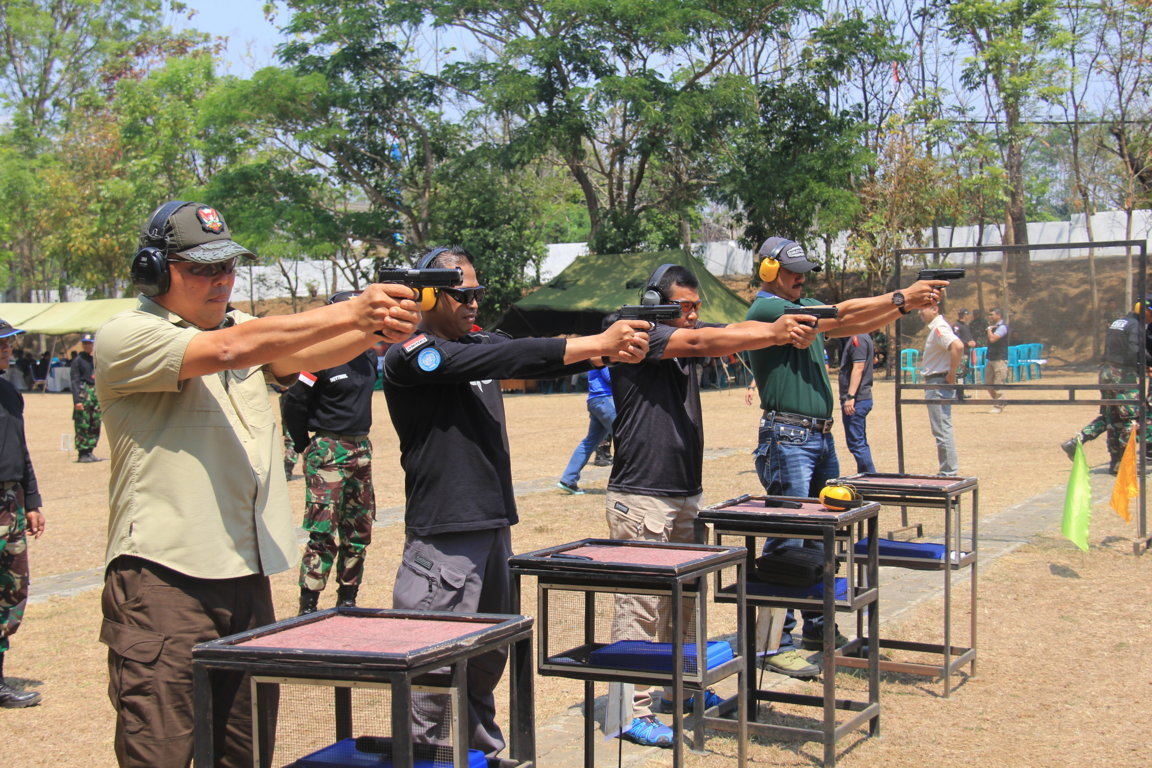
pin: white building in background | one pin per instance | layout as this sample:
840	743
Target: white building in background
254	283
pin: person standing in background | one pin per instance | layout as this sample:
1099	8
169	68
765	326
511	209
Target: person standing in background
856	360
601	414
996	368
943	352
19	515
85	406
335	406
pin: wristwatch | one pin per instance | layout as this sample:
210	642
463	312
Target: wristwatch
849	397
898	301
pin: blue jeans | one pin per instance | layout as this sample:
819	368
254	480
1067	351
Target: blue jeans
601	414
940	420
856	436
795	461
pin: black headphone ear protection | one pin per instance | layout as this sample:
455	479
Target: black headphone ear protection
653	294
149	269
770	266
426	297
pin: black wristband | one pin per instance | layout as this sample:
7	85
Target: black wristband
849	397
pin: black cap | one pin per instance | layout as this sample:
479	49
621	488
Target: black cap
789	253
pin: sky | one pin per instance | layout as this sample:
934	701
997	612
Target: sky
252	40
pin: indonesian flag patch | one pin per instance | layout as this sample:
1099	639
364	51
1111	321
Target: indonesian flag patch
210	220
308	378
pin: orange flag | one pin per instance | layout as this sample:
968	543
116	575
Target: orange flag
1127	486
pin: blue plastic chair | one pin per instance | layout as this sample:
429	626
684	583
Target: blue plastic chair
1017	369
910	365
979	360
1033	358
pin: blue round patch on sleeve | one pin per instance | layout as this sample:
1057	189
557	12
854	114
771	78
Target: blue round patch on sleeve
429	359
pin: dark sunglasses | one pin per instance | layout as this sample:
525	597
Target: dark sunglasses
687	307
465	295
208	270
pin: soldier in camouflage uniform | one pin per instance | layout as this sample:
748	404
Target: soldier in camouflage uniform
1119	377
19	515
86	409
328	414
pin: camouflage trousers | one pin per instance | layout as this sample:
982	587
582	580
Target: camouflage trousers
13	561
86	421
339	500
1115	421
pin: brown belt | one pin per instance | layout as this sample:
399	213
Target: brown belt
796	420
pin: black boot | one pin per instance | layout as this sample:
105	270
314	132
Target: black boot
1069	447
10	698
603	456
346	595
308	600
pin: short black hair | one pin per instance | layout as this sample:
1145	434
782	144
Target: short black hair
677	275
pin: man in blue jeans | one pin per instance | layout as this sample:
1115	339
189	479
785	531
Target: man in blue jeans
601	414
856	396
796	455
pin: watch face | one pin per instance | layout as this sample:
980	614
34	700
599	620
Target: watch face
898	299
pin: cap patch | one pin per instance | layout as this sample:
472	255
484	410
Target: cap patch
210	220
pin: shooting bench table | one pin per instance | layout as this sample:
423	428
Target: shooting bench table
957	552
347	648
572	643
750	517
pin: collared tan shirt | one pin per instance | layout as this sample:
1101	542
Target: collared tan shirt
192	486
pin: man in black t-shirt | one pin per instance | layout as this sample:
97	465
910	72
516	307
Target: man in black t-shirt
855	382
655	486
443	391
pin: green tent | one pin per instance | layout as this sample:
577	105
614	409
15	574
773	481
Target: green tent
576	300
19	313
72	316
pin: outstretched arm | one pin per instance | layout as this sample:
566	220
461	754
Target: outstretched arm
738	337
312	340
872	313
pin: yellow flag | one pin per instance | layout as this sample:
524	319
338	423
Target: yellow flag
1078	501
1127	486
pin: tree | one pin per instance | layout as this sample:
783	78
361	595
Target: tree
1015	61
791	172
632	97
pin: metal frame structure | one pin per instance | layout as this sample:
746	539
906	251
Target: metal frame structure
749	518
405	672
557	569
1143	541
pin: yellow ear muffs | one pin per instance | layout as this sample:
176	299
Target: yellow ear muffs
425	298
839	497
770	265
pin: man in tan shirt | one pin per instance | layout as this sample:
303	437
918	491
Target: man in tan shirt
199	508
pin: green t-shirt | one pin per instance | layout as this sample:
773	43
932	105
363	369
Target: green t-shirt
791	380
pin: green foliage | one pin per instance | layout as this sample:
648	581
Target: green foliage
791	173
491	212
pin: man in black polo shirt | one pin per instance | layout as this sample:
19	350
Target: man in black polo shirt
655	486
443	391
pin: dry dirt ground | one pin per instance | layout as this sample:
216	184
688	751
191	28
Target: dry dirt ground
1064	673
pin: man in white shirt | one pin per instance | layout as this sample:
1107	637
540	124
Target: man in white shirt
943	351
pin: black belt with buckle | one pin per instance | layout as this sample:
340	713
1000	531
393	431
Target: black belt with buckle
796	420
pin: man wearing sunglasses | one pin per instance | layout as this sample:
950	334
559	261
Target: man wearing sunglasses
200	515
656	482
443	392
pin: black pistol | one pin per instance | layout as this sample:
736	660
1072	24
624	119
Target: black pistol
653	313
820	312
949	273
421	278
